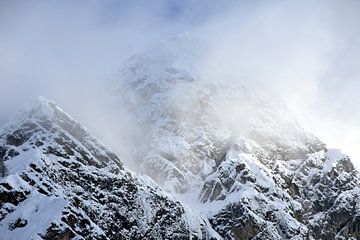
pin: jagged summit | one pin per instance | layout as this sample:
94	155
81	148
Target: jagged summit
189	122
40	108
46	122
62	183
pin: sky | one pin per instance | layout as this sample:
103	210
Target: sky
308	52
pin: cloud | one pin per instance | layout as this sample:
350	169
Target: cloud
66	49
306	52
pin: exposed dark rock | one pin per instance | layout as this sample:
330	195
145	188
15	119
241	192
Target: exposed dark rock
19	223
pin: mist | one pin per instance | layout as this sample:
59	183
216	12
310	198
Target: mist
305	52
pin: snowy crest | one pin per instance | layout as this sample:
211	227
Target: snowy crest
188	121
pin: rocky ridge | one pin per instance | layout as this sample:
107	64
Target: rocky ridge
62	183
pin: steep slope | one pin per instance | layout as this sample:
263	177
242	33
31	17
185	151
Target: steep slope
188	121
257	172
257	195
62	183
167	101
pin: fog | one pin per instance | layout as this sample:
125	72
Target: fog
306	52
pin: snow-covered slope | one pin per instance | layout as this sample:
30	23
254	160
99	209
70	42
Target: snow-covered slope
255	172
255	194
62	183
167	101
188	121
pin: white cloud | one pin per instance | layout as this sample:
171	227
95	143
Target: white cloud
306	51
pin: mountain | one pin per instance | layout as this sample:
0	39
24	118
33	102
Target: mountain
240	156
62	183
190	122
223	161
179	138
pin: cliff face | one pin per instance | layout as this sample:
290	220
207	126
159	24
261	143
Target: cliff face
62	183
265	196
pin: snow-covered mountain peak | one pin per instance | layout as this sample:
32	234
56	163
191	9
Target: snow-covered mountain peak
46	127
237	153
40	110
58	181
190	121
179	55
182	52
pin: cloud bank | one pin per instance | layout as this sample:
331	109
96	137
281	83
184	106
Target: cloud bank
306	52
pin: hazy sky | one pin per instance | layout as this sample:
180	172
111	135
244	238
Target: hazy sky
306	51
